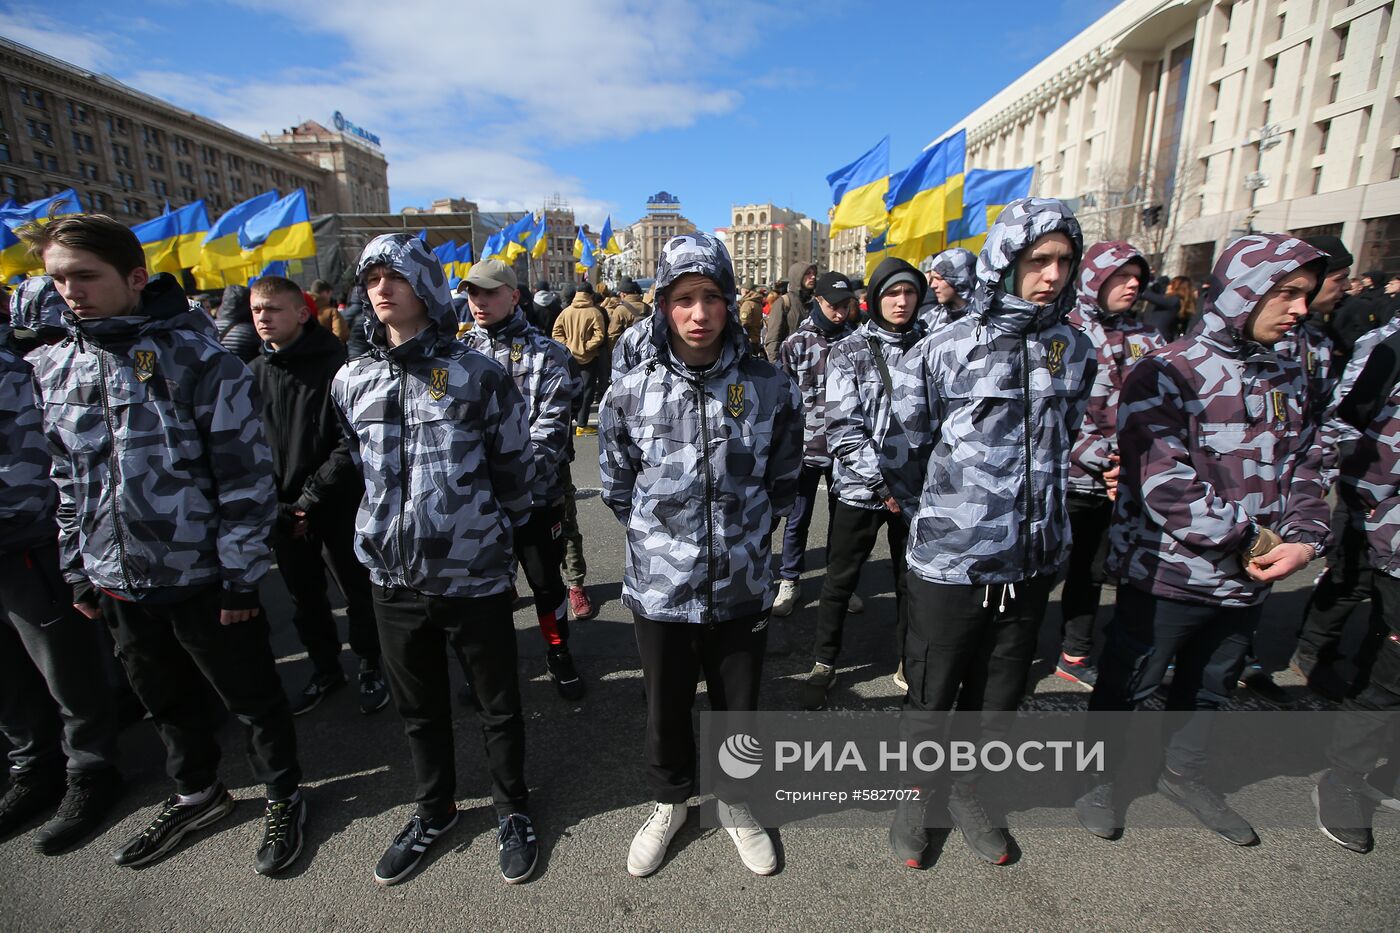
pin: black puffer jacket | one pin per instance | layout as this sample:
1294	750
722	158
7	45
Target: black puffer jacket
236	331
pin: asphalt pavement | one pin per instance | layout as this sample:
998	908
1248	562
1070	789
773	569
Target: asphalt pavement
589	796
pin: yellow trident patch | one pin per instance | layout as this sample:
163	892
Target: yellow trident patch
437	385
735	407
1280	404
145	364
1134	350
1056	356
517	352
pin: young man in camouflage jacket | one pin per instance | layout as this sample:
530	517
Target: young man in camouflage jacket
951	276
860	373
1220	495
991	409
1112	276
166	502
701	447
56	702
803	357
444	441
540	368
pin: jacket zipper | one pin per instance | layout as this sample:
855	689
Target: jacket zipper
1026	437
701	399
403	467
115	467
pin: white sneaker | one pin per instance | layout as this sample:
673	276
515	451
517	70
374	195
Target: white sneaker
649	845
855	605
787	597
755	848
898	678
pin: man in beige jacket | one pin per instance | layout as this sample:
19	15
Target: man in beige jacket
580	328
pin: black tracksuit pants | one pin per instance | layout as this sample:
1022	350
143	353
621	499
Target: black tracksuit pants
539	545
1089	520
852	536
1347	583
1367	730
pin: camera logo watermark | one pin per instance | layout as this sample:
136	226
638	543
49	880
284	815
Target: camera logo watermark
740	756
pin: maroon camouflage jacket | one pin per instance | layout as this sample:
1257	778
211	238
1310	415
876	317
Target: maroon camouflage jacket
1215	441
1119	341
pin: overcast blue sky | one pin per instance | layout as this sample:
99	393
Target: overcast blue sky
720	102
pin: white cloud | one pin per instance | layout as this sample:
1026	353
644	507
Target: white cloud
62	40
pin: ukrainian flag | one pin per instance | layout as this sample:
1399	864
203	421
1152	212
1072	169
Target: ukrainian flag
14	254
281	230
515	235
464	259
221	249
446	255
876	250
607	240
858	190
193	221
583	252
495	246
539	240
160	241
927	195
985	193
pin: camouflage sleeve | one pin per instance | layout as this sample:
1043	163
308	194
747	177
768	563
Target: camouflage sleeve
786	360
508	451
914	420
785	457
226	414
849	437
1306	517
1098	430
26	489
1374	468
339	387
549	433
619	460
1153	439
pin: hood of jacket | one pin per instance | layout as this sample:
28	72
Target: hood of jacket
163	307
546	297
1101	262
236	306
796	272
957	267
1019	225
888	268
583	300
706	255
406	255
1244	273
35	305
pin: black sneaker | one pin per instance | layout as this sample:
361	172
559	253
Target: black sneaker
1207	806
566	679
374	693
27	796
90	795
908	834
819	681
282	837
987	842
1261	683
1095	810
1080	673
170	826
316	689
1343	812
1383	785
519	852
408	847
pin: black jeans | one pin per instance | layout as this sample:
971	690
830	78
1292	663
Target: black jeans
57	701
1089	518
1346	584
799	520
169	649
539	545
1208	644
674	656
853	534
591	386
328	545
415	631
1369	728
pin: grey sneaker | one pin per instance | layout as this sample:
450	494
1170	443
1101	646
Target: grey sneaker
787	597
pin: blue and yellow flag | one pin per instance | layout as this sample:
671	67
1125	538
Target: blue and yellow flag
464	259
583	252
515	236
875	250
193	221
607	240
446	254
282	230
858	190
538	243
985	193
160	241
14	254
221	249
494	247
925	197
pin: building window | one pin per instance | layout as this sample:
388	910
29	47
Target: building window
186	193
1270	72
257	170
1317	180
4	152
1325	129
155	160
40	130
77	112
186	170
237	184
211	179
82	142
1332	91
121	154
159	187
88	171
116	124
98	200
9	184
208	156
1395	164
152	136
126	180
182	146
46	162
1342	35
31	97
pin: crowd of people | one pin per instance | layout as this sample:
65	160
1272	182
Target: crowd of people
1009	420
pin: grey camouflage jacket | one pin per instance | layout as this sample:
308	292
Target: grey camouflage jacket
699	466
858	409
991	409
541	370
1335	430
803	357
1119	341
633	347
443	437
164	475
28	496
958	267
1370	476
1215	441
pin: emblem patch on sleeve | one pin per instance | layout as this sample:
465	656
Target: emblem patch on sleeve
437	385
145	364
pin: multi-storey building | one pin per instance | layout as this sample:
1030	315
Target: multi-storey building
1182	123
764	240
848	251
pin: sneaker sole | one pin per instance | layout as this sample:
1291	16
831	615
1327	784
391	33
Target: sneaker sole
213	816
386	882
647	873
989	858
906	856
1317	808
762	871
296	853
528	872
1072	679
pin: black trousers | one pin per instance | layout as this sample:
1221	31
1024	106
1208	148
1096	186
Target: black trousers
57	702
1346	584
852	537
1089	519
1369	728
674	656
539	546
328	545
1208	644
592	386
415	632
169	649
